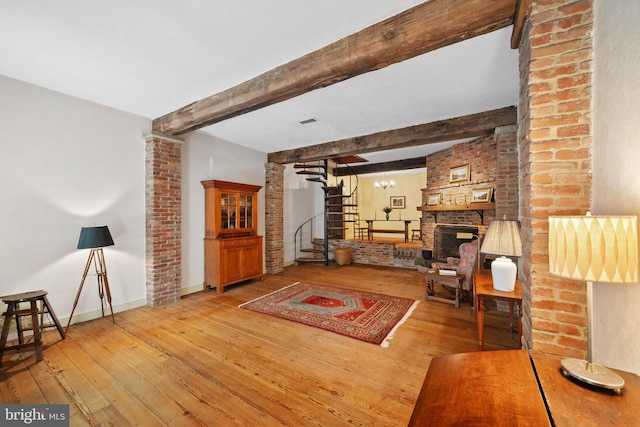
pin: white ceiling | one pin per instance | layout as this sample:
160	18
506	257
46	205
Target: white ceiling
151	57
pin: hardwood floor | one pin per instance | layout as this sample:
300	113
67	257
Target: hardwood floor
202	361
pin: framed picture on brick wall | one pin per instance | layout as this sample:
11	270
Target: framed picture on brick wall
460	173
481	195
434	199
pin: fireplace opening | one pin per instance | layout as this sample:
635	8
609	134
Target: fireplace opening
446	243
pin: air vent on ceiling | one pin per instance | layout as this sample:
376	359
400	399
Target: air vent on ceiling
306	122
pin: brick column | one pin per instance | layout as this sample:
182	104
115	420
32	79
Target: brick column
163	219
556	73
274	217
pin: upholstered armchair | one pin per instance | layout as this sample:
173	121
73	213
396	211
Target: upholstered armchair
463	265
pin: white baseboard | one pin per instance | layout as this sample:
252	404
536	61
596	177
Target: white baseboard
96	314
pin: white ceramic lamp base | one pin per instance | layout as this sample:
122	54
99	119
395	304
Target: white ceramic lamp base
503	273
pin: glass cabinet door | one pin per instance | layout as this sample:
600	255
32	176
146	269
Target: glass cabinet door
228	210
246	209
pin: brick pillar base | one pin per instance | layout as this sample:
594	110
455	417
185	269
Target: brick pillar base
274	218
163	219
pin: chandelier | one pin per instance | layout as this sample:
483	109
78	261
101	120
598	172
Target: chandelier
384	184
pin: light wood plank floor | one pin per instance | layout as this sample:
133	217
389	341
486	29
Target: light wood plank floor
202	361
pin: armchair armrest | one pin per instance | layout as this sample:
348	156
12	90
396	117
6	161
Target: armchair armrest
454	262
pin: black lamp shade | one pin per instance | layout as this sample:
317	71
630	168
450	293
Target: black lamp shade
94	237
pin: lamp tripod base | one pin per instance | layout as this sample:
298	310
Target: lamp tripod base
96	257
593	374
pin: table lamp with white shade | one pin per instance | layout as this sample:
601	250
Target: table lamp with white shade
600	249
503	239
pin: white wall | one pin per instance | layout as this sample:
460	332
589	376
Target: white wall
204	158
616	186
68	163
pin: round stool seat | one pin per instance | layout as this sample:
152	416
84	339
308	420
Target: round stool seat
23	297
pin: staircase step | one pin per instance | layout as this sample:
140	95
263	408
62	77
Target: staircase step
311	250
336	196
317	180
305	172
308	166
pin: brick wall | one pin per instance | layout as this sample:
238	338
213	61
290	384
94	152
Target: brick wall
274	217
556	54
374	253
493	162
507	173
163	220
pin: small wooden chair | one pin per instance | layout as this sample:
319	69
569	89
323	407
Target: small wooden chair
416	235
36	313
360	232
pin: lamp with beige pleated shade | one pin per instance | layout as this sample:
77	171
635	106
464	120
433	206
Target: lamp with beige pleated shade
503	240
593	249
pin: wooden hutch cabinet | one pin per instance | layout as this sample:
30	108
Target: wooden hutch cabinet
232	247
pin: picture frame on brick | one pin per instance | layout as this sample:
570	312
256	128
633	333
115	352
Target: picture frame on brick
460	173
434	199
481	195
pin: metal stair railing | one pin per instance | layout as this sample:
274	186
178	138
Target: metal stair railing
299	238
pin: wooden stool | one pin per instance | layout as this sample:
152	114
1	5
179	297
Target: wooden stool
416	235
37	325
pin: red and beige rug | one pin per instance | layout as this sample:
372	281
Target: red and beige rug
365	316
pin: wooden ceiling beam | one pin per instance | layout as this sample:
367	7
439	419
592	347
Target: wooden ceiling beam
471	126
522	11
423	28
396	165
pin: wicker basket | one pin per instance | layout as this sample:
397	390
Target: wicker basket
343	255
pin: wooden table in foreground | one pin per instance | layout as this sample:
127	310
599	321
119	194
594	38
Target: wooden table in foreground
493	388
510	387
483	289
576	404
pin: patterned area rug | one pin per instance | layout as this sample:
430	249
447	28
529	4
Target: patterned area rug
365	316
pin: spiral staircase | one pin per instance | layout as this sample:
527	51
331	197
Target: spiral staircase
340	211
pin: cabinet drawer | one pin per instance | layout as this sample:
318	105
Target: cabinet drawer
238	242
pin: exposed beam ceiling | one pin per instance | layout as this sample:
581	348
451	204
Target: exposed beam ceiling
165	54
473	125
423	28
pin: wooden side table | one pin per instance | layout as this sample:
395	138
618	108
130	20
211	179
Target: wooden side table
482	289
454	281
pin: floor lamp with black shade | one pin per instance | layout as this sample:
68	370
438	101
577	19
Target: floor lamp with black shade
95	238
